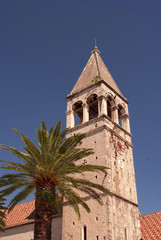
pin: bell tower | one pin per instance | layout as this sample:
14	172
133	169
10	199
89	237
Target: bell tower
97	107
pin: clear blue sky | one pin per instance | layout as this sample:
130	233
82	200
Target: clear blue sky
45	44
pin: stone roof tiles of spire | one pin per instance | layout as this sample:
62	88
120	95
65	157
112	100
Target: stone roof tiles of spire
95	67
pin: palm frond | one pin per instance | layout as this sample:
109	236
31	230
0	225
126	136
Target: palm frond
84	182
23	156
30	147
2	214
51	166
74	200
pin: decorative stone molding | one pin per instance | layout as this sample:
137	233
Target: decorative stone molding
113	108
85	105
125	115
69	112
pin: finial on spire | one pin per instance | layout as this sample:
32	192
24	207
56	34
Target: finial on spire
95	47
95	44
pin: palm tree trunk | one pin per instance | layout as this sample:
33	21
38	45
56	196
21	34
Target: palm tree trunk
43	219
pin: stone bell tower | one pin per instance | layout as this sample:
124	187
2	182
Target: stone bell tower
97	107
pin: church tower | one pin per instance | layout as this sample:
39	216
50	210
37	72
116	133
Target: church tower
97	107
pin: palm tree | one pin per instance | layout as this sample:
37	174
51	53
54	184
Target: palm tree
2	214
49	170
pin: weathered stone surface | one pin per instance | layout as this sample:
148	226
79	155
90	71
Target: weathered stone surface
110	137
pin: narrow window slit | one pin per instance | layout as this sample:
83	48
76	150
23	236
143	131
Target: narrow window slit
126	234
84	233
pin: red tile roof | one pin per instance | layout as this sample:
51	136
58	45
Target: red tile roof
22	213
151	226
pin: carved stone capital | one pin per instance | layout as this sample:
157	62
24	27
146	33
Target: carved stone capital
125	115
113	108
69	112
84	105
102	97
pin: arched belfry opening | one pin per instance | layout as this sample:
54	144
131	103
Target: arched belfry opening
108	108
92	102
78	112
110	105
121	112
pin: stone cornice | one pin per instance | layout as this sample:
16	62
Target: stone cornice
122	198
117	125
97	84
65	203
95	121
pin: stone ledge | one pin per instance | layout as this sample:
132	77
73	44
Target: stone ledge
94	121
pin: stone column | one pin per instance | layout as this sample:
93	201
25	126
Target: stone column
103	105
125	122
85	112
70	121
114	113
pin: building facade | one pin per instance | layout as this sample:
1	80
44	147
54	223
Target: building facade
97	107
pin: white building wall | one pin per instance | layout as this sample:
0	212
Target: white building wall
26	231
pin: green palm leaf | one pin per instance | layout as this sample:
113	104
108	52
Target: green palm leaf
2	214
49	168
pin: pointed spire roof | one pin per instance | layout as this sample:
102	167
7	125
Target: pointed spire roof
95	68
